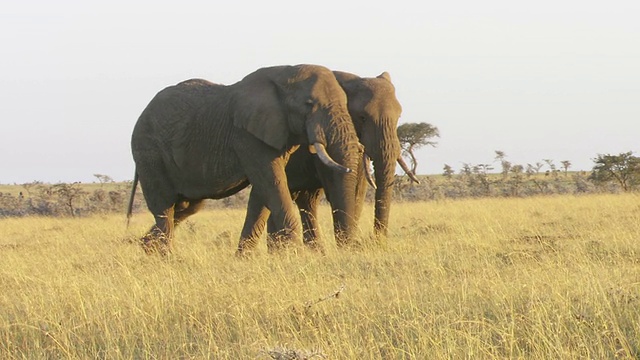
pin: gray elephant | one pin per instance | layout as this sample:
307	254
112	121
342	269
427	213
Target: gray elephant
198	140
375	111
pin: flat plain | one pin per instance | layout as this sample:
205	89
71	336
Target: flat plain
554	277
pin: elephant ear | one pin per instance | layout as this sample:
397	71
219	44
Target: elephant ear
385	75
261	112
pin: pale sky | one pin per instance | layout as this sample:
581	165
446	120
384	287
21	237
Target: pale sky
546	79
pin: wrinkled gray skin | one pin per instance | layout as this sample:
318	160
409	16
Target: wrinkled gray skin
197	140
375	111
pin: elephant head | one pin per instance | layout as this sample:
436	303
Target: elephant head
375	111
304	101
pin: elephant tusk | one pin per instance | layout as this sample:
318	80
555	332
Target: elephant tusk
327	160
406	169
367	173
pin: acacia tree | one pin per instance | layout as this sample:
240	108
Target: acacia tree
506	165
69	194
566	164
623	168
103	179
538	166
448	171
414	136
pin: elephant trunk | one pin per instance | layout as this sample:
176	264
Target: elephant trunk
382	207
384	157
341	143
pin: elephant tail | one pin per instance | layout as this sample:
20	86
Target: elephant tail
133	195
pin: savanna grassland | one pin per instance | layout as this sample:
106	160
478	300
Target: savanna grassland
553	277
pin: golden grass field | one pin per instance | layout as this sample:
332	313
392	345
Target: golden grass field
533	278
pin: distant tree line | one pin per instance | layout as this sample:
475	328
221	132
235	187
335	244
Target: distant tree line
611	173
78	199
500	177
62	199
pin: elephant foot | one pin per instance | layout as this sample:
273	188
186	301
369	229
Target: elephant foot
311	240
281	240
343	241
280	243
155	247
246	247
276	243
352	243
314	245
156	242
243	253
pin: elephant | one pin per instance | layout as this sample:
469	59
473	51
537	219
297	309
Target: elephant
198	140
375	111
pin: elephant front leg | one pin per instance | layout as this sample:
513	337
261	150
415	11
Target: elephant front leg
284	223
254	224
264	167
287	228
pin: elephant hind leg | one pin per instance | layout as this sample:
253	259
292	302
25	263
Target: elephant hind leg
307	201
161	201
186	208
158	238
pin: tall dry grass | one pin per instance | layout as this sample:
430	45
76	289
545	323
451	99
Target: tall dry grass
536	278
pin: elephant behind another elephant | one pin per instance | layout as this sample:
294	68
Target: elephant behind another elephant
375	112
198	140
